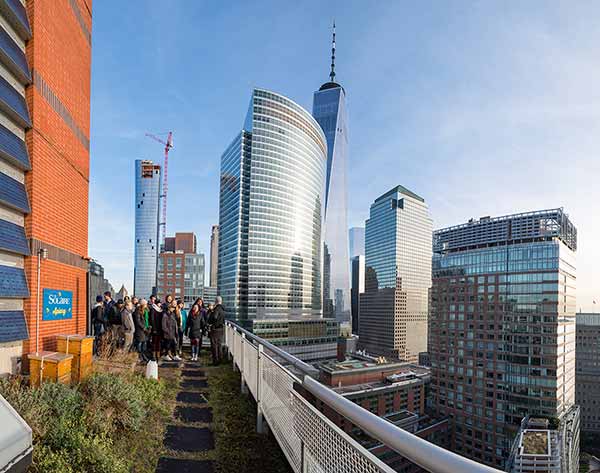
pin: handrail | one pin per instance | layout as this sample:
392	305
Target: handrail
419	451
304	368
414	448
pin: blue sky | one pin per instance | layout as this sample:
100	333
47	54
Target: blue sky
483	108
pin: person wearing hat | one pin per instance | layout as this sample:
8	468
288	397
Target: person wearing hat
142	328
98	322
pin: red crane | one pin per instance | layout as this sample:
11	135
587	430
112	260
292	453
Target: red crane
168	145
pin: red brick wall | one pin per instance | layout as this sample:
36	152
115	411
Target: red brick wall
58	184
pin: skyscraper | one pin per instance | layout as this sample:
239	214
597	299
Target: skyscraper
394	306
45	56
502	327
271	196
329	109
147	199
214	255
357	273
356	236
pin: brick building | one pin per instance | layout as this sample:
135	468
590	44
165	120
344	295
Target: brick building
44	170
396	392
181	269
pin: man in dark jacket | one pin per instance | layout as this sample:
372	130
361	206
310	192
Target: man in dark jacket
156	316
98	322
216	324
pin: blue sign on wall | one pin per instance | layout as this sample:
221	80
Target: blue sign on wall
57	305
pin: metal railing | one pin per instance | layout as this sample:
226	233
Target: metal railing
311	442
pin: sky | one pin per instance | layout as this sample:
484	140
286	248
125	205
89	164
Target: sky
482	108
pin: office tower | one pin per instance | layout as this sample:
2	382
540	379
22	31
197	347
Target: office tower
356	235
358	287
44	171
214	255
502	327
587	373
272	178
97	284
394	305
181	269
329	109
147	202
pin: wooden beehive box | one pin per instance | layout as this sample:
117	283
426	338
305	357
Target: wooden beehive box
50	366
75	344
81	347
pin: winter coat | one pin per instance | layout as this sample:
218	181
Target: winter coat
127	318
196	324
156	317
169	326
216	318
98	315
139	320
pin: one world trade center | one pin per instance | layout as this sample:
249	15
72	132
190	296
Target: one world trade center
329	109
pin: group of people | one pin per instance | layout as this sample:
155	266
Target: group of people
156	330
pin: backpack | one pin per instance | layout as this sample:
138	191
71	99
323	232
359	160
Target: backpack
114	318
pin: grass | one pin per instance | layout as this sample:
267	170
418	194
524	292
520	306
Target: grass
238	448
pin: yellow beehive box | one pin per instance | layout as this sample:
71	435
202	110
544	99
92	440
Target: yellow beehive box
50	366
81	367
75	344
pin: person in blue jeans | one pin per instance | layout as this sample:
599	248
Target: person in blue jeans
181	329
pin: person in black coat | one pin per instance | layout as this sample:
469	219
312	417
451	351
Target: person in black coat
195	328
216	326
142	328
98	322
156	315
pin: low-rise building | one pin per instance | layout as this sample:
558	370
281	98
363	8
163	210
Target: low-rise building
547	445
396	392
306	339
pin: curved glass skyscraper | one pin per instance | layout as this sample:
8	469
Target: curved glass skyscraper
271	197
329	109
147	198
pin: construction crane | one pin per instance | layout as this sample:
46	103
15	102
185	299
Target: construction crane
168	145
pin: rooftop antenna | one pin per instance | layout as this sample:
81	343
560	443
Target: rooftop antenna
332	73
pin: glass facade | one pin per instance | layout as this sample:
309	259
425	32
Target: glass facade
271	197
329	109
394	306
147	197
502	329
356	236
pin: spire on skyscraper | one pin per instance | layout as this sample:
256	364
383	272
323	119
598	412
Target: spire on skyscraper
332	73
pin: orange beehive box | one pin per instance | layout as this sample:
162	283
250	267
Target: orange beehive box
82	367
50	366
75	344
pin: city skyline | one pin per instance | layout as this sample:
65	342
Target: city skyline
420	113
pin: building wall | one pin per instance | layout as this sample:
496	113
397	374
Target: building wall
59	101
181	275
587	390
15	161
502	328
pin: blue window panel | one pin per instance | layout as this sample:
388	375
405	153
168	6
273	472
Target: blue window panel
13	193
12	326
14	57
12	238
13	282
13	103
17	16
13	149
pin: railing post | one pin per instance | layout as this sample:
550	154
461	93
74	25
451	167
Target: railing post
259	413
243	386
